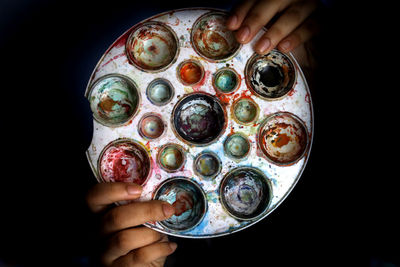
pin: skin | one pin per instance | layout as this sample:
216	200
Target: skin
130	243
290	23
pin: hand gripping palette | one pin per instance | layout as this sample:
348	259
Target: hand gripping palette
200	121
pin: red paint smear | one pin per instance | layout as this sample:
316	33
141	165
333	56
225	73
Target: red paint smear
114	58
196	88
245	94
184	202
223	98
292	92
121	42
127	166
307	98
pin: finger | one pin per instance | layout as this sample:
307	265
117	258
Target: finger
294	16
301	35
147	254
135	214
256	18
125	241
238	14
104	194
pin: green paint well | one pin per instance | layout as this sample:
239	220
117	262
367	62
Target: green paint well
226	80
236	146
245	111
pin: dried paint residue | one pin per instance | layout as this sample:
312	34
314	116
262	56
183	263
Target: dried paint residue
125	162
183	202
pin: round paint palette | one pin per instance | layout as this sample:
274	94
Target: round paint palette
200	121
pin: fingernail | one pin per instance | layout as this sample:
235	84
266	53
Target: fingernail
173	245
168	210
133	190
285	45
263	45
243	33
231	21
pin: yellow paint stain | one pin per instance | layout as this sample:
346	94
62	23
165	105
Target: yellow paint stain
188	90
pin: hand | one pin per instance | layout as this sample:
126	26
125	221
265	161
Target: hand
130	245
293	26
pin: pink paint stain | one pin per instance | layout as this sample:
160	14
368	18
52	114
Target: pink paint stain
196	88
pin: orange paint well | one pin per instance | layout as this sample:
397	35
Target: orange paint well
190	73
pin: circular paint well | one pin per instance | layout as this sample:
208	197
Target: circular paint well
245	111
171	157
190	72
283	138
236	146
187	198
114	100
151	126
207	165
152	46
124	160
198	119
270	76
245	193
211	39
160	92
226	80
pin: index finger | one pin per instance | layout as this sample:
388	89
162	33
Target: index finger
104	194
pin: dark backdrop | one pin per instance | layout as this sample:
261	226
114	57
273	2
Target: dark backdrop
342	210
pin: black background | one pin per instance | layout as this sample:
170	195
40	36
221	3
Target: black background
342	212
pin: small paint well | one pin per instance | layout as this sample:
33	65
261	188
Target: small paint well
226	80
211	39
188	199
114	100
245	193
270	76
124	160
283	138
236	146
245	111
151	126
152	46
198	119
171	157
160	91
190	72
207	165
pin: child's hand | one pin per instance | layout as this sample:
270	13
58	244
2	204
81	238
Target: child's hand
293	26
130	245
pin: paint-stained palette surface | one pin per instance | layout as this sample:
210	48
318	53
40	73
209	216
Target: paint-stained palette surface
199	121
